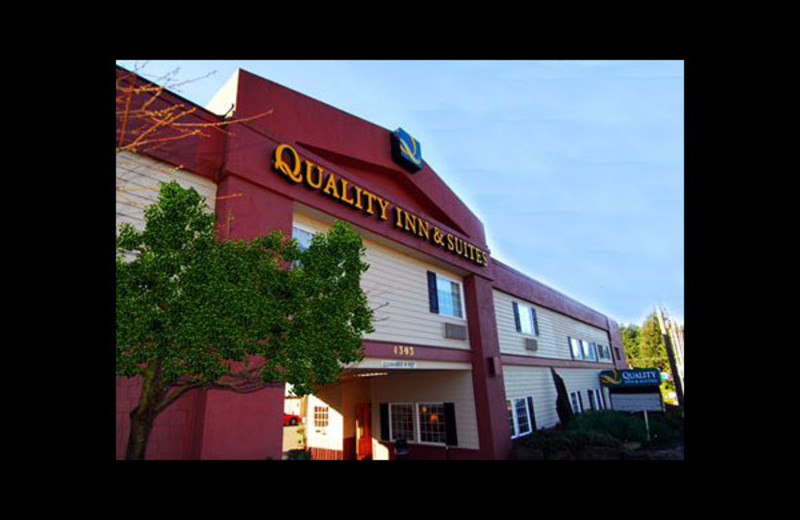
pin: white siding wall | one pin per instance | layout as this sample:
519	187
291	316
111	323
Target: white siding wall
537	382
396	285
432	387
137	185
553	330
329	437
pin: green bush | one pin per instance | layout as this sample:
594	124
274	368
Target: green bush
561	444
627	427
298	455
622	426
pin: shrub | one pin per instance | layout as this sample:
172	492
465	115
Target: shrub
298	455
555	444
623	426
627	427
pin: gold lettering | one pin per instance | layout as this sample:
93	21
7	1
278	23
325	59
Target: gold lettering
459	246
358	196
398	214
383	204
410	223
424	229
370	198
344	193
449	242
292	172
309	169
471	251
330	186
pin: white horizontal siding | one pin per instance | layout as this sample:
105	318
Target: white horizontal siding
329	437
430	387
537	382
138	178
553	330
396	286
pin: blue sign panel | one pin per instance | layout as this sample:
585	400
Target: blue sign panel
629	378
406	150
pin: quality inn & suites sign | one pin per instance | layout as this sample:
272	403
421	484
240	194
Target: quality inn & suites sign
287	162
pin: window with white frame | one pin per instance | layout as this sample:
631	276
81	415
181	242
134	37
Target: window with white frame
525	318
592	402
589	351
431	423
401	421
576	402
595	398
448	293
519	416
575	348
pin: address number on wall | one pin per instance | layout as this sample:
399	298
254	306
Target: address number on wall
403	350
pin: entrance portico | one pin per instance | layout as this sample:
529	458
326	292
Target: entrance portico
430	403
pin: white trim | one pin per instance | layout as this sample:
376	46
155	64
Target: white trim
515	418
528	307
419	431
305	227
578	401
413	421
462	303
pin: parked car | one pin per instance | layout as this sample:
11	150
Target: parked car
291	419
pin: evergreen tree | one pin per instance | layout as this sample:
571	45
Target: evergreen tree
653	351
630	343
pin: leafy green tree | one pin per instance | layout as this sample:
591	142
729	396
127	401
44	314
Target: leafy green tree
196	312
653	349
630	343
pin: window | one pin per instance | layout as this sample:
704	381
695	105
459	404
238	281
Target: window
449	294
431	423
445	296
575	348
589	351
303	237
401	421
576	402
321	416
580	349
596	401
519	414
525	319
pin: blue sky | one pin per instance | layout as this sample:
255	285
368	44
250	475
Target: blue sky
574	167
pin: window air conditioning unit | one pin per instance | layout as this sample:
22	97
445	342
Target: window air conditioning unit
452	331
531	344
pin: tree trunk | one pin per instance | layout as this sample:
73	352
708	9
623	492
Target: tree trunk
144	414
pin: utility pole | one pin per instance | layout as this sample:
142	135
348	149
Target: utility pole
676	376
677	343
